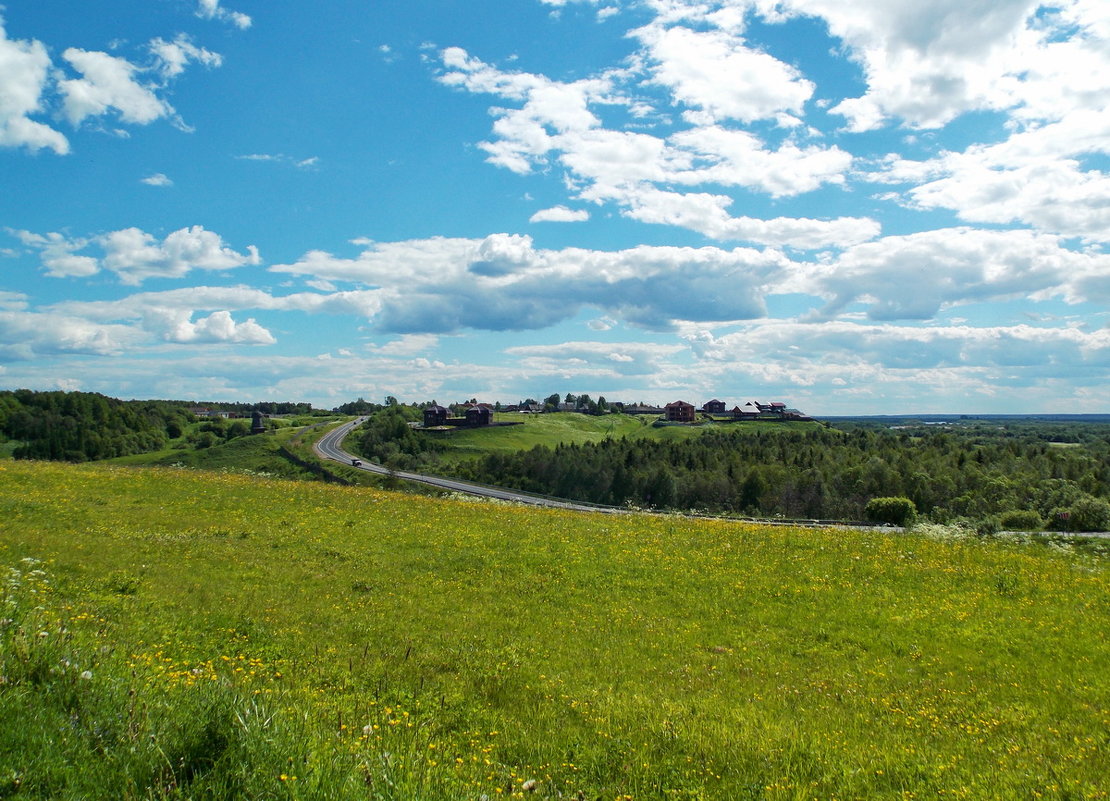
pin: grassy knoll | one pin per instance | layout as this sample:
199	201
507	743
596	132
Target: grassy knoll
572	428
255	454
178	634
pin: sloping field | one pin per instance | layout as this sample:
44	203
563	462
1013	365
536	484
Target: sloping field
557	428
180	634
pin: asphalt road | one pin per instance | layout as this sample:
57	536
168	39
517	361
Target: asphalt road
330	446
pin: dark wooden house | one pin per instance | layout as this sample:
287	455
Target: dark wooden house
680	412
480	415
435	416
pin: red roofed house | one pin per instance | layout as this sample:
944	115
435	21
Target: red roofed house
680	412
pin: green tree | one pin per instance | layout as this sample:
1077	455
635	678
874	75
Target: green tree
897	511
1089	514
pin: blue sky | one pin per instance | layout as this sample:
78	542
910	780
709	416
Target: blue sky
853	206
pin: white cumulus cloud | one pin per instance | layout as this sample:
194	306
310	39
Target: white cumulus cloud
560	214
715	72
108	83
211	9
135	255
157	179
24	76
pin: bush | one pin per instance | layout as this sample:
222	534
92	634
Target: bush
896	511
988	526
1021	520
1087	513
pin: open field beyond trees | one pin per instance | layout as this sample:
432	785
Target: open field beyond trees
570	428
181	634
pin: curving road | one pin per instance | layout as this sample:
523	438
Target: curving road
330	446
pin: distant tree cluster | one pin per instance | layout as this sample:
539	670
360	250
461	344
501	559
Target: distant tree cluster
358	407
266	407
826	474
82	426
388	439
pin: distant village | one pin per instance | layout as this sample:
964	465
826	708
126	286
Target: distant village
472	414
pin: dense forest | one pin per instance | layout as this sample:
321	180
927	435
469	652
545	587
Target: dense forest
82	426
86	426
1022	476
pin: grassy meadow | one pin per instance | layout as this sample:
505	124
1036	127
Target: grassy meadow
565	428
171	633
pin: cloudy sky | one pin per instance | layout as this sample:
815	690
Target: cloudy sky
853	206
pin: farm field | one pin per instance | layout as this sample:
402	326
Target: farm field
173	633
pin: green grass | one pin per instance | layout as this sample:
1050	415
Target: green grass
571	428
205	635
255	454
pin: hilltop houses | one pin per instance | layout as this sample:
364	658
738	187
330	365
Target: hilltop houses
473	414
683	412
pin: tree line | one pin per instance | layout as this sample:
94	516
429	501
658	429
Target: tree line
823	473
83	426
86	426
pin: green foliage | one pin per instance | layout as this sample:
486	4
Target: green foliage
297	640
1021	520
803	473
387	438
897	511
1084	514
80	426
83	426
790	470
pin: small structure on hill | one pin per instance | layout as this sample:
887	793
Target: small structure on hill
435	416
479	415
258	423
680	412
472	416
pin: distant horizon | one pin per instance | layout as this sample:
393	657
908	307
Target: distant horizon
593	396
857	207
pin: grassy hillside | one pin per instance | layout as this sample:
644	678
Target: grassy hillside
572	428
176	634
255	453
264	455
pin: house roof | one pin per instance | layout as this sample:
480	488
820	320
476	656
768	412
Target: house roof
674	404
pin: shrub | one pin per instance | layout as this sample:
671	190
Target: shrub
988	526
1088	514
1021	520
896	511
